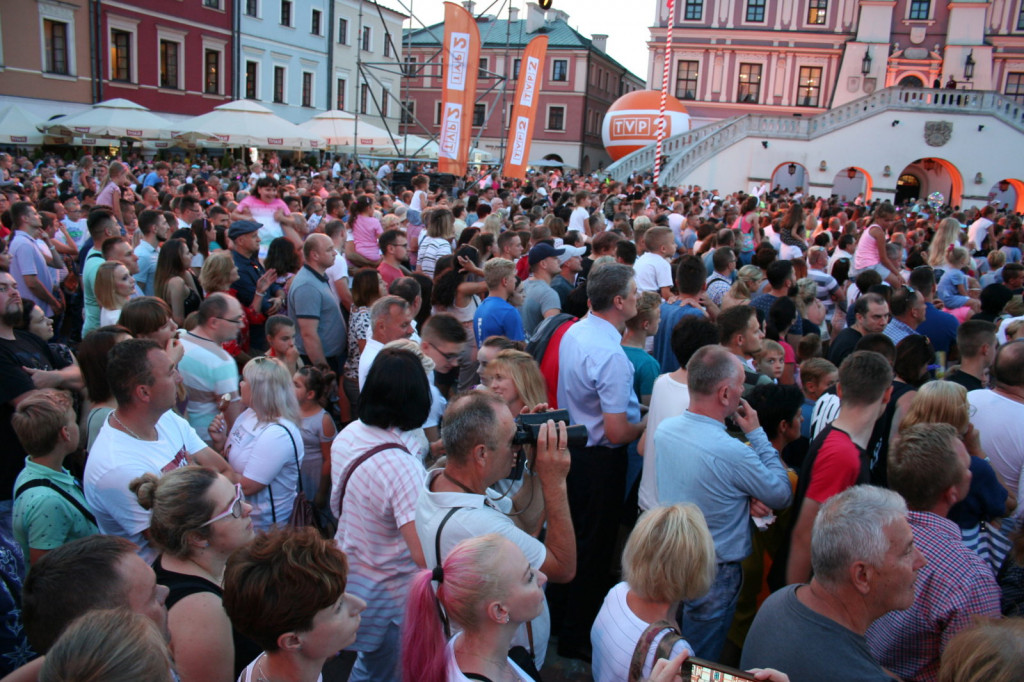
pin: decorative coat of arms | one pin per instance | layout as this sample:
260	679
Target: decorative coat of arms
937	133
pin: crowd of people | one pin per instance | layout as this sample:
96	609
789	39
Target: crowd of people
259	415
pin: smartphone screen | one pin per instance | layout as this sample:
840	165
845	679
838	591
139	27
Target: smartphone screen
699	670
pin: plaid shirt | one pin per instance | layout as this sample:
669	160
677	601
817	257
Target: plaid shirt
955	585
897	330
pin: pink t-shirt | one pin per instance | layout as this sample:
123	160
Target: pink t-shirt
263	214
365	233
866	254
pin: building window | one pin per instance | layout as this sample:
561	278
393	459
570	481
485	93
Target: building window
750	83
120	56
410	66
56	46
169	64
212	4
1015	87
556	118
1020	19
816	10
279	84
250	80
341	94
252	8
755	10
211	72
437	112
343	31
479	114
920	9
364	98
408	111
387	46
515	68
694	10
810	86
286	12
484	71
307	89
686	79
560	70
314	22
385	107
367	45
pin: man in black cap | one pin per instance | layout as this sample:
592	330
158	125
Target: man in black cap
245	248
541	300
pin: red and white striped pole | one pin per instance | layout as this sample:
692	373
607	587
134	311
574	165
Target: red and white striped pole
664	88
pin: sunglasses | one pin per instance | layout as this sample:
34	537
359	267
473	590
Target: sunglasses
234	510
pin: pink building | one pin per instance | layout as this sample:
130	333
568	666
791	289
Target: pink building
579	84
176	60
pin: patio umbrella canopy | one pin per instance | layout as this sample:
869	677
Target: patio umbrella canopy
116	118
18	126
338	130
246	124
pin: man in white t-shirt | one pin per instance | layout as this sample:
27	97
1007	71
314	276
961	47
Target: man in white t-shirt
653	272
389	321
75	221
981	228
337	274
997	415
143	435
454	504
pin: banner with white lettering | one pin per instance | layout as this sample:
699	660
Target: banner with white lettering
524	111
461	55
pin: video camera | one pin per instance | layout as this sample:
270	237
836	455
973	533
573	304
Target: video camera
528	428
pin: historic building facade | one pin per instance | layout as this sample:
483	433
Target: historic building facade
579	84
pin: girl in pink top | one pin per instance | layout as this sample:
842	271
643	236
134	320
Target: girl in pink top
365	229
870	253
270	211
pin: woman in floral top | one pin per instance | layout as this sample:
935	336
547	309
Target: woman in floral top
367	287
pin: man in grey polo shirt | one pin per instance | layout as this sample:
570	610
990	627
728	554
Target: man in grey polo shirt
313	304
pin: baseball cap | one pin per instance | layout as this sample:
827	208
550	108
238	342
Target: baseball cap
570	252
543	250
242	227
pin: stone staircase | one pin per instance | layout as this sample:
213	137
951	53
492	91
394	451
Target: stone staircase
686	151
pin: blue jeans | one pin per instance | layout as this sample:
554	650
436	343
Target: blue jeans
705	622
382	665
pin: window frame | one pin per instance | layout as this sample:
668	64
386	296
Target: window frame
740	83
914	8
48	48
409	66
341	92
801	88
483	70
254	81
366	40
164	64
255	6
1017	97
282	96
688	6
437	112
218	57
291	13
308	91
817	10
758	8
517	63
551	108
316	22
554	71
408	114
115	67
364	98
695	79
342	30
479	113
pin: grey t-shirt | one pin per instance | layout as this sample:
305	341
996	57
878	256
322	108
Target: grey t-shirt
310	296
539	297
788	636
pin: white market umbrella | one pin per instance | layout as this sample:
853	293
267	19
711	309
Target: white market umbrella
18	126
413	147
246	124
114	118
338	129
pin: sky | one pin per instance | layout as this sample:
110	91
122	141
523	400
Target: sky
625	23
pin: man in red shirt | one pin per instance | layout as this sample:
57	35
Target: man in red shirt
837	459
394	247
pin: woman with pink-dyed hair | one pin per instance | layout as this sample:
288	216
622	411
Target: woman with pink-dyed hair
486	587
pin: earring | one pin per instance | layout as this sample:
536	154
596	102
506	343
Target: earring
507	618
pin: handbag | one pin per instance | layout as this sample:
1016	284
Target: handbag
304	514
643	645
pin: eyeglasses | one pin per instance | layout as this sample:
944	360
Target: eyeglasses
234	510
447	356
226	319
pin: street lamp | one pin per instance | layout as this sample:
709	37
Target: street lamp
969	66
792	169
865	64
851	172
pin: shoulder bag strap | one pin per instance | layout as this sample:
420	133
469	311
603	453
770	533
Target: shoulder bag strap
643	645
46	483
295	453
359	460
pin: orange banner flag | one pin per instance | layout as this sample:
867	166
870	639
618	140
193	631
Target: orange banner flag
524	111
461	55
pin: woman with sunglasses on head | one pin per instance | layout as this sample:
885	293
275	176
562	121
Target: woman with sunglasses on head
197	520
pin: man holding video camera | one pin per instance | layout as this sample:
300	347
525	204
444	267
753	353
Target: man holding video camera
478	432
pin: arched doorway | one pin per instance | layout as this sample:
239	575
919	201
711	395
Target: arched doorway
790	175
850	182
1007	192
932	175
911	82
908	188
